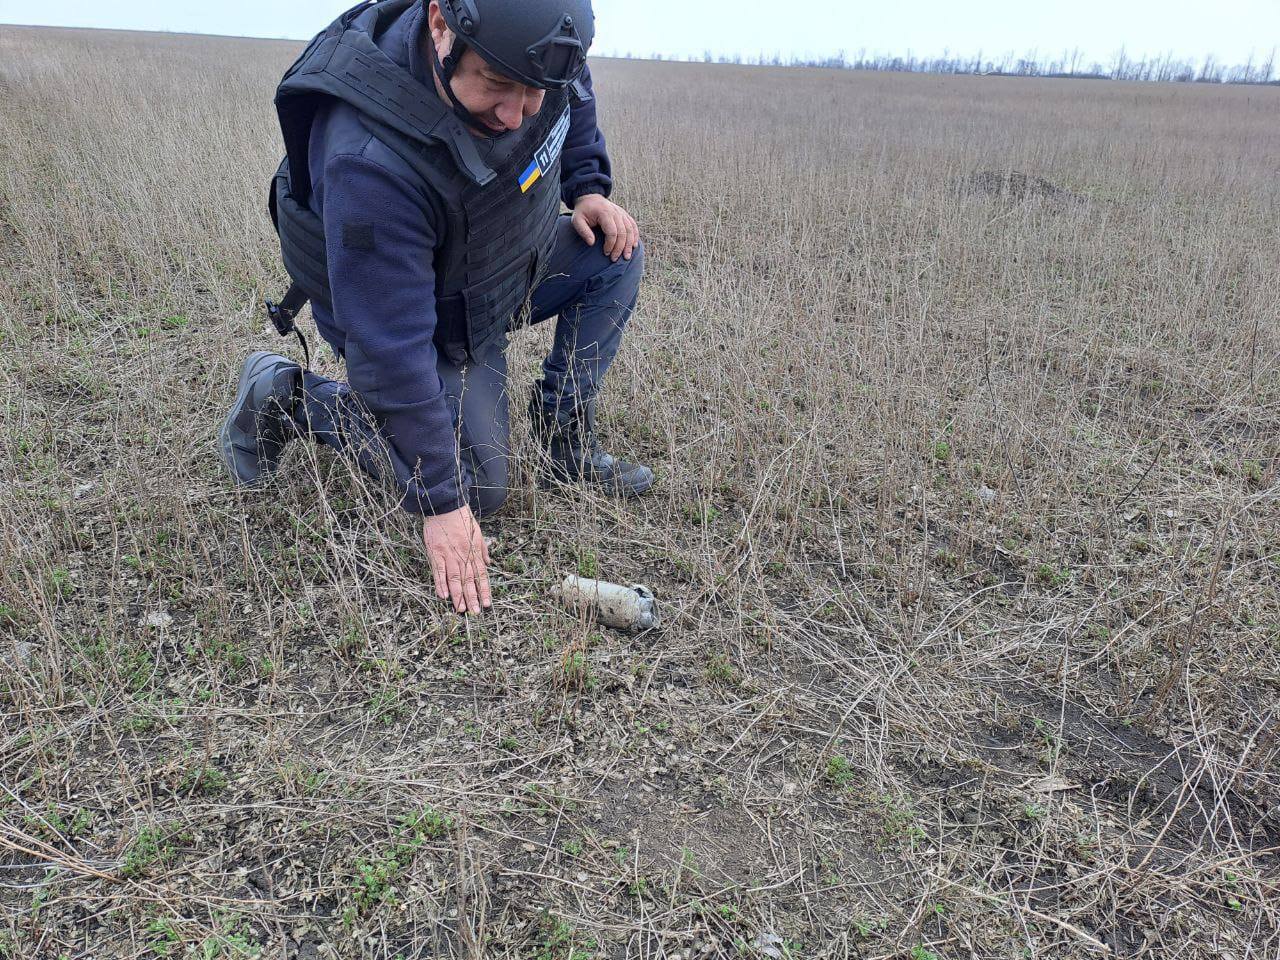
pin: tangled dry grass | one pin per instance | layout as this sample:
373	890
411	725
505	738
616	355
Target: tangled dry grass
968	535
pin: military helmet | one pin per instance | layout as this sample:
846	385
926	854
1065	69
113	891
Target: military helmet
540	43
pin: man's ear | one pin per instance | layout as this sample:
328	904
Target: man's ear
436	22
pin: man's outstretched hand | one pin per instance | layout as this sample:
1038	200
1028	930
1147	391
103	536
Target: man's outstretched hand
459	559
621	233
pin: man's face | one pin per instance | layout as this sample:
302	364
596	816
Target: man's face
498	102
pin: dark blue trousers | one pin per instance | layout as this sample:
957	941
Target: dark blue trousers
592	299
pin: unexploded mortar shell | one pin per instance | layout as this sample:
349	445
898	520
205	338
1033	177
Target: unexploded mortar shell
623	608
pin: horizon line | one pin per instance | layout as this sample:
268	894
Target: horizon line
735	59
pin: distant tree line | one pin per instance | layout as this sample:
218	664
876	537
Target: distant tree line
1163	69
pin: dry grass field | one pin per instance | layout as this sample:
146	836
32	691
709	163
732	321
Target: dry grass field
967	536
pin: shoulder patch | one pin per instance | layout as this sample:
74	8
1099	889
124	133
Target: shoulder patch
547	154
357	236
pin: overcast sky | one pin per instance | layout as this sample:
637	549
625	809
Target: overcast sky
1230	29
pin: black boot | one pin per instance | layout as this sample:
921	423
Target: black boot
574	453
262	419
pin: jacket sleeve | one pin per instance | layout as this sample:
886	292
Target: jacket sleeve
584	165
379	236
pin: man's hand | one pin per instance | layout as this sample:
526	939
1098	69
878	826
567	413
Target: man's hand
621	234
459	557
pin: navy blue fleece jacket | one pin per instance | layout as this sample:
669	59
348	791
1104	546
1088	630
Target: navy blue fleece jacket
384	298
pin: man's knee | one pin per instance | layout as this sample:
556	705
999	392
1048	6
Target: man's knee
623	265
487	501
635	266
616	275
489	487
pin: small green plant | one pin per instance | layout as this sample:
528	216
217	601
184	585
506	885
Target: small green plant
236	943
140	722
561	941
942	451
900	821
60	582
235	946
865	928
544	801
149	848
1233	885
427	823
351	640
121	663
305	780
588	564
920	953
164	939
48	823
1052	576
1034	812
575	670
689	861
375	881
1050	744
839	772
203	779
380	665
1085	847
376	877
80	822
226	651
387	706
702	513
43	892
720	670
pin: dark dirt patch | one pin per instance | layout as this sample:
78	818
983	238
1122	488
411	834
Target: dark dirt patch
1227	432
1125	766
1017	187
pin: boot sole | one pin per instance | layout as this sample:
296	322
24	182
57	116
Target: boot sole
230	436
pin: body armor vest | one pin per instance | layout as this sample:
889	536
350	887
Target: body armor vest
499	211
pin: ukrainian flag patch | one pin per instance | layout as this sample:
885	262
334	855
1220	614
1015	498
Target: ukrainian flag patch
547	154
531	176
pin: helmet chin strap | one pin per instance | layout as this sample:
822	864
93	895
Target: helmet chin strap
445	71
